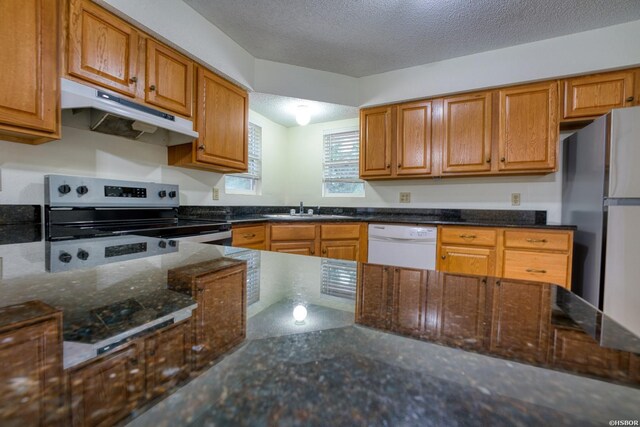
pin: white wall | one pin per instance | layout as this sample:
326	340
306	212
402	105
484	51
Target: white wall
305	171
82	152
602	49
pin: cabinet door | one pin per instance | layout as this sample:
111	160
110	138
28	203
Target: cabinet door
520	319
463	260
297	247
102	48
375	142
413	141
30	375
29	57
340	249
528	134
409	298
221	119
107	390
169	79
168	358
220	317
596	95
466	145
373	295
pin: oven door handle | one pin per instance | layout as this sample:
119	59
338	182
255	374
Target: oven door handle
208	237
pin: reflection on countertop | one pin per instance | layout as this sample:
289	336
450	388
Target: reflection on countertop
286	339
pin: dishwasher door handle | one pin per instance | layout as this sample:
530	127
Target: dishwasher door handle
400	239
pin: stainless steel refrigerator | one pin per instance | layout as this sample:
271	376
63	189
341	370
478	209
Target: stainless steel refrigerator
601	196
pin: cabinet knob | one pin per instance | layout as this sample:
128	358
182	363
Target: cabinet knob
443	257
324	252
629	99
133	79
489	160
388	165
503	160
313	252
201	147
152	88
399	165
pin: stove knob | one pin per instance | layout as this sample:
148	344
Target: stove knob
65	257
162	194
173	243
162	244
82	255
172	194
82	190
64	189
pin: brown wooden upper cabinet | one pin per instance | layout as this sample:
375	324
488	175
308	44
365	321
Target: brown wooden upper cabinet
528	132
375	141
594	95
466	144
413	140
102	48
107	51
395	141
169	79
222	114
29	87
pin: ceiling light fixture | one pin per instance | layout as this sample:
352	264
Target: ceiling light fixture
303	115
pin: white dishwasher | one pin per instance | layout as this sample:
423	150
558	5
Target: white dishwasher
403	246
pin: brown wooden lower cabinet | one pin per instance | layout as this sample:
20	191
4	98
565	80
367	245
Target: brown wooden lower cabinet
168	358
340	249
520	319
219	321
372	295
31	354
298	247
106	390
409	297
468	260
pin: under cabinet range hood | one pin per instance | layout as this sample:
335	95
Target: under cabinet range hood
86	107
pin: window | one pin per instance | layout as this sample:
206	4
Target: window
340	166
249	182
253	270
339	278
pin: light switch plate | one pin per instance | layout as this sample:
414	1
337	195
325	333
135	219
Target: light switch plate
405	197
515	199
216	193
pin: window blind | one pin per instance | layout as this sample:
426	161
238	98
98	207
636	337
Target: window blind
253	271
341	154
338	278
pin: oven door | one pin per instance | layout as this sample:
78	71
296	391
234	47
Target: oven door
222	238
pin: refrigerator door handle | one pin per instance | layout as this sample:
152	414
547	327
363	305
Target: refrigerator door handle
612	201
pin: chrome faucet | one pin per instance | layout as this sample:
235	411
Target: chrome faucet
301	208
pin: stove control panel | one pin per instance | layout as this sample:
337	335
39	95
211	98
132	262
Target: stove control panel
85	253
76	191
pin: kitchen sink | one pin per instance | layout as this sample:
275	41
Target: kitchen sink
305	216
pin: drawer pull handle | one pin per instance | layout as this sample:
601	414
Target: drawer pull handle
534	270
537	240
629	99
468	236
249	235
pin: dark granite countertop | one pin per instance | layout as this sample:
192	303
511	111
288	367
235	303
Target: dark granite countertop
466	217
379	346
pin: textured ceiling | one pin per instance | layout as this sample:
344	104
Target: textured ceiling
282	110
364	37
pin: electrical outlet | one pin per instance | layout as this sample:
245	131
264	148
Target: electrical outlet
216	193
515	199
405	197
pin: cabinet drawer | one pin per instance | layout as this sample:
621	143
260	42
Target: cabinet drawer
293	232
529	239
536	266
248	235
340	231
468	236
